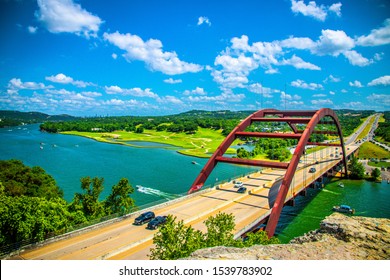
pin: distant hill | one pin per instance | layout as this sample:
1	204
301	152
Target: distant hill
14	118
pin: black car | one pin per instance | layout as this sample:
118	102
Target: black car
241	190
144	218
156	222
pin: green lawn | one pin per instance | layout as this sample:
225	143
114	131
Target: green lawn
200	144
370	150
379	164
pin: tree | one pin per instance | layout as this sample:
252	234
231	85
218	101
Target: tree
88	201
19	179
175	240
356	169
375	174
219	230
119	200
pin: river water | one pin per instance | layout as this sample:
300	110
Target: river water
163	174
160	173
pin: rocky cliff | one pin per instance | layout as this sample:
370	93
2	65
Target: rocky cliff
339	237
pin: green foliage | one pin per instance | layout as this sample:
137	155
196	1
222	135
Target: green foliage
260	237
19	179
375	174
23	218
356	169
383	129
220	230
119	200
88	201
274	149
174	240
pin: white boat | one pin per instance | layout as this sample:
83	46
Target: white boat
341	185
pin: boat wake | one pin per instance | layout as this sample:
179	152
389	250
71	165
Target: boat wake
325	190
155	192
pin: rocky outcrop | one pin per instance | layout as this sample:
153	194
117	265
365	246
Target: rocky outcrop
339	237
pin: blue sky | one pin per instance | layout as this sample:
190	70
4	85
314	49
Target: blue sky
157	57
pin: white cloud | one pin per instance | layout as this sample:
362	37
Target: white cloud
379	99
226	96
301	84
333	42
377	37
170	99
259	89
151	53
66	16
138	92
63	79
172	81
336	8
204	20
312	10
197	91
381	81
298	63
357	59
16	84
114	56
356	83
332	79
32	29
322	102
300	43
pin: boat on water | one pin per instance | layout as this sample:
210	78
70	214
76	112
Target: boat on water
341	185
343	209
194	162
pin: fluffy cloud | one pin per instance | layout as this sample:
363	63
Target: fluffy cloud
204	20
151	53
356	83
197	91
260	89
66	16
63	79
333	42
312	10
16	84
32	29
377	37
298	63
357	59
138	92
322	102
172	81
379	99
301	84
381	81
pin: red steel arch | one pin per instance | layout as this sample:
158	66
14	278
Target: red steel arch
311	118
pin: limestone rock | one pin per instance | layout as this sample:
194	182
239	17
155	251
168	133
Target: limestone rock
339	237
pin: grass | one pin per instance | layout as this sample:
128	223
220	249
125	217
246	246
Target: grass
370	150
200	144
379	164
366	130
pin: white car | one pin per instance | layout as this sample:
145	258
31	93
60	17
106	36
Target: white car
238	184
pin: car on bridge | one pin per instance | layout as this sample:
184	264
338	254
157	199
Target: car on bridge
238	184
241	190
312	170
144	218
156	222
